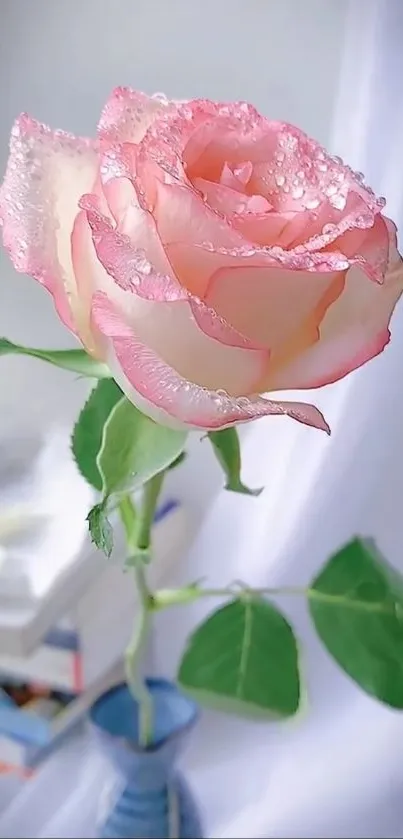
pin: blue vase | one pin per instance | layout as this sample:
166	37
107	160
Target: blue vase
150	798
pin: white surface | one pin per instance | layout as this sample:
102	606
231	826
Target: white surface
40	499
338	771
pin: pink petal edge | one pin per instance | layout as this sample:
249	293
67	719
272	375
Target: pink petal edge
144	376
27	203
128	114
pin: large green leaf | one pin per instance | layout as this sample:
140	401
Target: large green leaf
88	431
228	451
78	361
357	608
134	449
244	659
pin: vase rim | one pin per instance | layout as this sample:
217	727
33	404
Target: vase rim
157	686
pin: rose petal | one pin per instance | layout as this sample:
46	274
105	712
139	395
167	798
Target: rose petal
160	392
290	169
238	176
372	252
270	228
229	201
276	308
353	330
300	175
326	224
47	173
90	276
140	230
204	135
199	343
131	269
196	238
171	332
237	134
197	266
128	114
181	215
347	233
199	241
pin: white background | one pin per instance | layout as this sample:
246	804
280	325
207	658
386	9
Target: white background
336	69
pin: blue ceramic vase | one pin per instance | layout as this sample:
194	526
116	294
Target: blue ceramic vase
149	798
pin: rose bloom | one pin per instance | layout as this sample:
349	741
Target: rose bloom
207	254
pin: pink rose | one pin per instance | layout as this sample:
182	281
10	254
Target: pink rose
208	254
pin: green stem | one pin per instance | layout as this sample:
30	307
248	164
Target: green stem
133	657
175	597
150	497
137	528
128	515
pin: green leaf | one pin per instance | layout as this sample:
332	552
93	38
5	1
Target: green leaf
134	449
178	460
76	360
227	449
356	604
100	529
244	659
88	431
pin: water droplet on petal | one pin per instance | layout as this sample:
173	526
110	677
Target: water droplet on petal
280	180
186	112
365	220
246	251
329	229
338	201
160	97
312	203
298	192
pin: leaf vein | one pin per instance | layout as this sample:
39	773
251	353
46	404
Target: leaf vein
246	642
